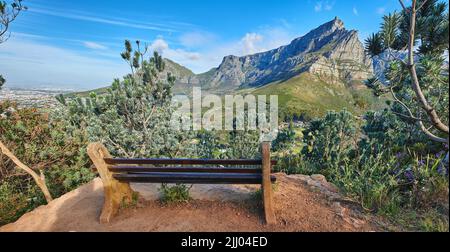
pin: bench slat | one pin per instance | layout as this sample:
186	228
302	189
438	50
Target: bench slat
119	169
191	178
158	161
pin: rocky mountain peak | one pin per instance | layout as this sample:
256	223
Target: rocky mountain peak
334	25
337	23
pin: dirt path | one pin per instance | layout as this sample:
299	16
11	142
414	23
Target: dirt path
302	204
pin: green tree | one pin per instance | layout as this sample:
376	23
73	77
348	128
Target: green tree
133	118
419	87
390	29
374	44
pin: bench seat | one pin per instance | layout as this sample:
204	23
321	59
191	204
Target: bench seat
191	178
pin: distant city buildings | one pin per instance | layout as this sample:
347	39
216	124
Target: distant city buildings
30	97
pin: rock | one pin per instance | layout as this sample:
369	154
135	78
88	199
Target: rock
314	183
330	187
320	178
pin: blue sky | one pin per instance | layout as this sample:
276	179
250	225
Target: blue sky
76	44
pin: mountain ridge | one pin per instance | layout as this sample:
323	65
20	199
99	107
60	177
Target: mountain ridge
330	52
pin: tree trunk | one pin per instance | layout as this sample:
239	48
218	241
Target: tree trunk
39	179
431	112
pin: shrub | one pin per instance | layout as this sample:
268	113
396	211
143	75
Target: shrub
42	144
13	203
426	182
330	141
175	193
372	181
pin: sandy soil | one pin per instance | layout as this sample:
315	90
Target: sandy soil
299	207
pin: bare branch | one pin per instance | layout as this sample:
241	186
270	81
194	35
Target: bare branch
39	179
408	117
8	14
419	121
431	135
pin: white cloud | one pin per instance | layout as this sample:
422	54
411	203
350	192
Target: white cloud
94	18
93	45
381	10
250	43
212	53
328	6
31	61
355	11
318	7
159	45
178	55
323	5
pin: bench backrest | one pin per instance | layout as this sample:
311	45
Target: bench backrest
193	171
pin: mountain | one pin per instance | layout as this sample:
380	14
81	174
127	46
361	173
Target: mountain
329	52
320	71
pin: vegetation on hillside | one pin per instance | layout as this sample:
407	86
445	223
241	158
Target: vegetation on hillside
305	97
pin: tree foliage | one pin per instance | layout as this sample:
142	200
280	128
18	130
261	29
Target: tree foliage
329	140
374	44
420	85
133	118
431	30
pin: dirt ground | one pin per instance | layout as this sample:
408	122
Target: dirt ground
299	207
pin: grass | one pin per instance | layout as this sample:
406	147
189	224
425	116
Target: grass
131	204
175	194
307	95
423	220
98	91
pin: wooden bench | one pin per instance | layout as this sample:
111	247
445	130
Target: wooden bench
117	173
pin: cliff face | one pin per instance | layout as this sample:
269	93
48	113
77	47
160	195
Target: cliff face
329	52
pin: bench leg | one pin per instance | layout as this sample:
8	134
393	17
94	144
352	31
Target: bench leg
116	192
267	185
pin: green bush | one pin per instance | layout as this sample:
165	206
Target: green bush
13	203
371	181
330	141
42	144
175	194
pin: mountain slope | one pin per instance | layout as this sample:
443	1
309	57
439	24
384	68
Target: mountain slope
305	95
330	52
